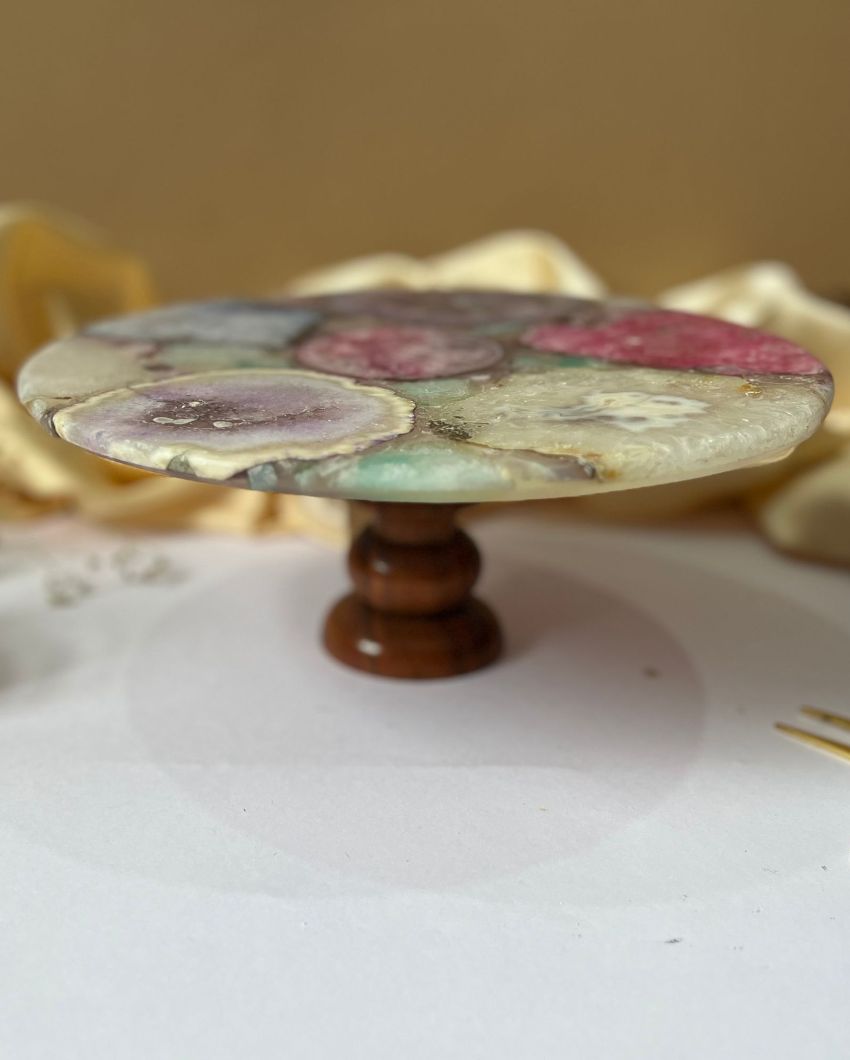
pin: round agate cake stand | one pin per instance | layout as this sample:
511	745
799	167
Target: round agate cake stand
420	403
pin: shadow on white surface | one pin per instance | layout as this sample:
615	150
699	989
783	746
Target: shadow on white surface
625	738
587	725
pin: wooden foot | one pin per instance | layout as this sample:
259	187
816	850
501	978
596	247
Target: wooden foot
411	613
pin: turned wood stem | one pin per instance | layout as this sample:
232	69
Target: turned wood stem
411	613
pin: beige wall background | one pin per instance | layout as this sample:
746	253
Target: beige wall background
237	144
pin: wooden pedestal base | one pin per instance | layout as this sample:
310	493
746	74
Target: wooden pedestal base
411	613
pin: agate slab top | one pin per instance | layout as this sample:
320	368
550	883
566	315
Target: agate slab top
439	396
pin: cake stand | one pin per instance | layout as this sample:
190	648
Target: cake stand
419	403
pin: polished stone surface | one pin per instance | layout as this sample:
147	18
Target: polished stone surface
428	396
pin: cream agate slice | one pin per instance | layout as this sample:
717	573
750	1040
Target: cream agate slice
642	424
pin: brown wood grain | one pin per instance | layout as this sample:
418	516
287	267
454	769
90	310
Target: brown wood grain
411	613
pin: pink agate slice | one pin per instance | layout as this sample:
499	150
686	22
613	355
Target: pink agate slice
662	338
397	353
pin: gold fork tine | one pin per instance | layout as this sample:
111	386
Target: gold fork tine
839	720
833	747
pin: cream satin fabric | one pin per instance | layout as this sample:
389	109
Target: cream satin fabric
56	273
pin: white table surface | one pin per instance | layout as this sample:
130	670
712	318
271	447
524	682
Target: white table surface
218	843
